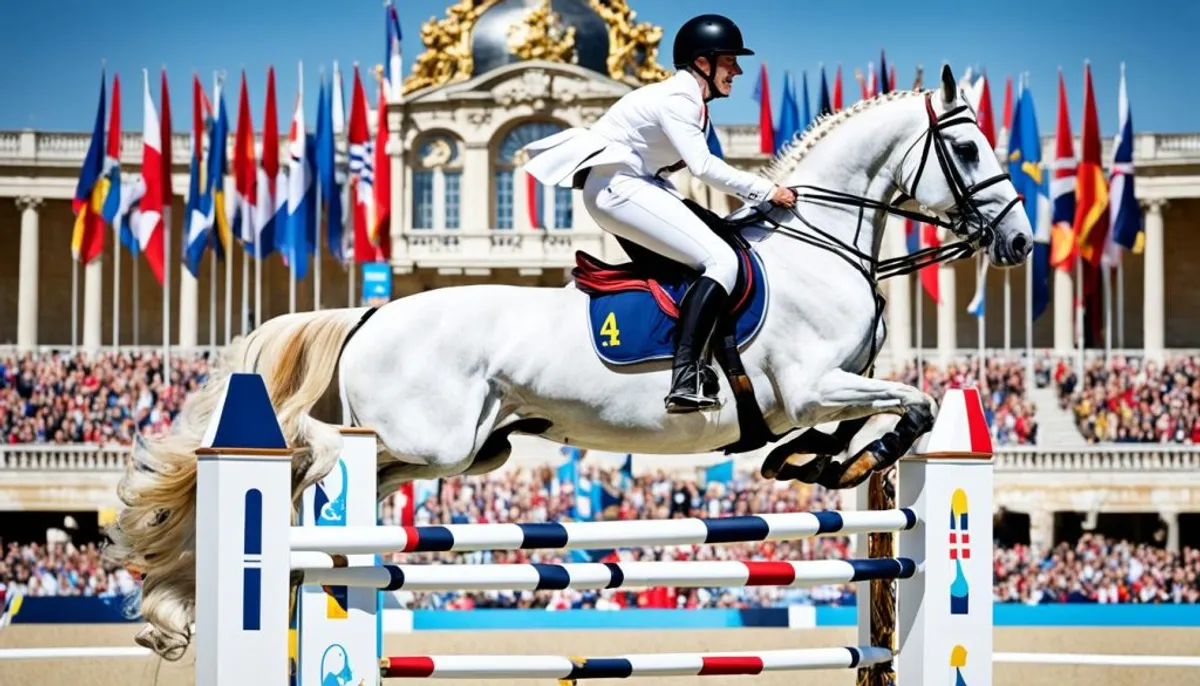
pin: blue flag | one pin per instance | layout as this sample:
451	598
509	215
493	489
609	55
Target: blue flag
789	116
1031	181
1126	216
331	191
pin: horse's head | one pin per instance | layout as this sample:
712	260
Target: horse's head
950	170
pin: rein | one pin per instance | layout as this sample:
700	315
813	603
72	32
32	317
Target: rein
875	270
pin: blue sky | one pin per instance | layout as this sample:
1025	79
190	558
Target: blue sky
51	56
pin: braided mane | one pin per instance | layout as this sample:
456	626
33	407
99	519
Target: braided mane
785	161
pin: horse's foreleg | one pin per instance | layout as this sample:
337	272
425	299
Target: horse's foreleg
854	399
805	457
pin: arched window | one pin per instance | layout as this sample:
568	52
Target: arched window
520	198
437	183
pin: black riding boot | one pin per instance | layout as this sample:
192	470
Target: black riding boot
694	383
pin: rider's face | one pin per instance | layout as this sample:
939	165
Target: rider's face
727	69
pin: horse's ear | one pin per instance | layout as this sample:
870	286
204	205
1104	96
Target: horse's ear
949	87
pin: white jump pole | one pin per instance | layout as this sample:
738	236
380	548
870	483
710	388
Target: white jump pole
340	627
243	505
944	611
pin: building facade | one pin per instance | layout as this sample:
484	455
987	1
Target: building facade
494	75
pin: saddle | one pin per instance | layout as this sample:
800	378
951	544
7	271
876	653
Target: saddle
634	306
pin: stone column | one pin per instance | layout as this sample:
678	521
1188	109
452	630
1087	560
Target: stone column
93	309
27	289
1064	311
899	295
947	311
189	308
1041	529
474	214
1154	308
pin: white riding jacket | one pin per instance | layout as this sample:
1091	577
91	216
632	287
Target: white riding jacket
653	130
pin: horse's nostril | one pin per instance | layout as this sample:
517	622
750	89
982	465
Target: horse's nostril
1021	245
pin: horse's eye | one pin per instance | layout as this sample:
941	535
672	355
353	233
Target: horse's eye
967	150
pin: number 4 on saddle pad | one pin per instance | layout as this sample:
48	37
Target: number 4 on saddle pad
633	307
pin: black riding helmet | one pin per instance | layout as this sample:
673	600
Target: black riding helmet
708	35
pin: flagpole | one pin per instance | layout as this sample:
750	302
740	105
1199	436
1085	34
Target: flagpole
1008	305
135	298
228	284
166	301
74	303
1108	327
982	317
1079	316
1121	304
246	276
116	283
258	279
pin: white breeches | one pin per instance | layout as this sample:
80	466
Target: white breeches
651	214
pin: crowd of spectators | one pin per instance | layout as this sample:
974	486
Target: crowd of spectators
1094	569
1132	400
1002	387
103	399
107	398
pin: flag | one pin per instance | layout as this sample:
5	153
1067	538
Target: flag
837	90
1062	187
1126	229
391	59
331	192
270	206
301	195
884	76
87	238
984	116
245	174
917	237
382	187
164	128
1006	120
110	179
789	116
824	106
218	166
149	225
766	130
340	176
805	109
1091	188
1029	178
196	226
362	175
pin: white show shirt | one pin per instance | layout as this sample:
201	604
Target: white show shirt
657	128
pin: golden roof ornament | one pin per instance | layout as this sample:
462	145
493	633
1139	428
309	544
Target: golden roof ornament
632	47
541	36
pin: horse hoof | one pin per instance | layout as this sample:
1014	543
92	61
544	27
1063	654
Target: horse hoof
810	472
876	456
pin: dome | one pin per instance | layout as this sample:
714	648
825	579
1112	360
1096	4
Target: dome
516	30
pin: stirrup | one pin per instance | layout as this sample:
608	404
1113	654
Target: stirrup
695	394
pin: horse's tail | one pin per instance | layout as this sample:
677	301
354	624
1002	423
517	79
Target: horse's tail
154	534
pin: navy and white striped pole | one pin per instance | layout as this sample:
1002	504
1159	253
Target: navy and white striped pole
597	575
586	535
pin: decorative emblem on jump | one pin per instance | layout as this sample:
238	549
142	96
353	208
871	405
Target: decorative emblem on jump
252	560
335	667
958	662
960	549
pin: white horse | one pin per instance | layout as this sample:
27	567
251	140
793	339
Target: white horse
445	376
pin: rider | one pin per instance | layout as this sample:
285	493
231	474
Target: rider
620	163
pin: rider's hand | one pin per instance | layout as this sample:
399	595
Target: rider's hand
784	196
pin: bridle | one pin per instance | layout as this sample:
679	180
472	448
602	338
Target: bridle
964	220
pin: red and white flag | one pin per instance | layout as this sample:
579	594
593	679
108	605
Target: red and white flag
149	226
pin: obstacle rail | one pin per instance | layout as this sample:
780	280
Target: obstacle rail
921	612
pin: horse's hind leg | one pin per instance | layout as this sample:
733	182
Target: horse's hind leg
787	462
880	453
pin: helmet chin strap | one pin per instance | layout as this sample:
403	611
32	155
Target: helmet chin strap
713	91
